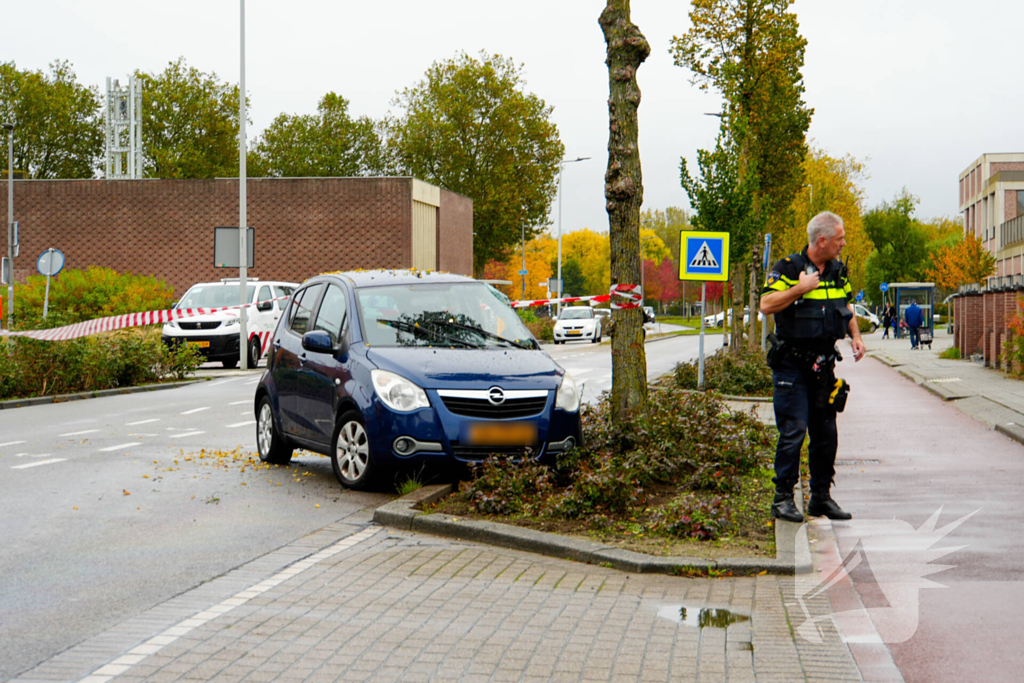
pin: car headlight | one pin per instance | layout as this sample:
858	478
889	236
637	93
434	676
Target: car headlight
397	392
231	322
172	323
568	396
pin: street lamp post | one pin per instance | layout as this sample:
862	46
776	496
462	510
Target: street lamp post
243	223
9	127
561	167
522	271
643	262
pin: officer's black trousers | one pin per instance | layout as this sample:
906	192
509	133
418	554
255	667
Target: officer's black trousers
796	414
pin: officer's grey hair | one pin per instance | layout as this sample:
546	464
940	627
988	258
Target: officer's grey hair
823	225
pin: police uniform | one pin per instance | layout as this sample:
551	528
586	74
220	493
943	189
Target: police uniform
802	361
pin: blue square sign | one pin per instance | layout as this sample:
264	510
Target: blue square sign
705	255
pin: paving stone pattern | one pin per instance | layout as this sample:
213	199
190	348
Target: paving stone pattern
399	607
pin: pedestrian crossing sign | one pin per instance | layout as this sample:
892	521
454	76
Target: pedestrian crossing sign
703	255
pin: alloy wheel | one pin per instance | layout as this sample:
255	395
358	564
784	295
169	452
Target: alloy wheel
352	451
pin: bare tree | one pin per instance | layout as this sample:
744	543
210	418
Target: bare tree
624	192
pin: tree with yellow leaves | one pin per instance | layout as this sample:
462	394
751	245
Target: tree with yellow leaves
961	263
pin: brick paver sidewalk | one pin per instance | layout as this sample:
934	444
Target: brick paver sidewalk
357	602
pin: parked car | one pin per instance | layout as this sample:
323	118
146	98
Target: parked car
578	323
649	315
605	314
863	312
716	320
216	335
392	370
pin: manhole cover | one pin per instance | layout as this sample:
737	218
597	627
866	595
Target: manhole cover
858	462
941	380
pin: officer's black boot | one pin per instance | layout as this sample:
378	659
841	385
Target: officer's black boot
821	503
783	506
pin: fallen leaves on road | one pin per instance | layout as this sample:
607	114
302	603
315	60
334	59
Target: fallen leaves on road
125	492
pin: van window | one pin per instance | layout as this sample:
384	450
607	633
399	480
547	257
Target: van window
282	291
301	310
264	294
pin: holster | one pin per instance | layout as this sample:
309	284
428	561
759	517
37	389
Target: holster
775	352
840	392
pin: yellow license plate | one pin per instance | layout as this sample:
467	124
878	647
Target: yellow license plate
201	345
501	434
574	333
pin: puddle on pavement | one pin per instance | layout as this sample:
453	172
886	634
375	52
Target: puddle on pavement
701	617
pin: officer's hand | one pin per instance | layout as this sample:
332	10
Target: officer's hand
858	349
809	281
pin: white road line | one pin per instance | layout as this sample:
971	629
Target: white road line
12	443
233	403
142	434
224	381
150	647
178	436
242	424
195	410
121	446
38	463
84	431
142	422
246	412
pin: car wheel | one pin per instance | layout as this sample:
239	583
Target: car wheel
229	363
271	446
255	351
350	452
874	326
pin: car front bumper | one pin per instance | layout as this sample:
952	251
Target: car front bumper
217	347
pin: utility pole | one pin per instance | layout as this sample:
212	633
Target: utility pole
9	127
522	271
561	287
243	224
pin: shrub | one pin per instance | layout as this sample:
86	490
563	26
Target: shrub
504	486
864	325
952	353
741	372
690	517
541	328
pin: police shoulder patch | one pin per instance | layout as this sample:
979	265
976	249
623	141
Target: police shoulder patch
774	277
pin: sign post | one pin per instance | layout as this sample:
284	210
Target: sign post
767	265
49	263
703	256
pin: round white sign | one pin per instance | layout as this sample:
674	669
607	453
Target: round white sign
50	262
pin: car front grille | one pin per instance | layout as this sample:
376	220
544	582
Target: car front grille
511	408
206	325
480	453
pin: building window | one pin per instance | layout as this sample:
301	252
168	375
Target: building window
1020	202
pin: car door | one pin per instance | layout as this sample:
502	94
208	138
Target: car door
288	353
323	376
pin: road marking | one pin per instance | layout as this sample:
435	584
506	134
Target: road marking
224	381
84	431
233	403
141	434
38	463
12	443
120	446
195	410
142	422
242	424
152	646
179	436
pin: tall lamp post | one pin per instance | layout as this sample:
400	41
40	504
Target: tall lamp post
561	167
643	263
243	223
9	127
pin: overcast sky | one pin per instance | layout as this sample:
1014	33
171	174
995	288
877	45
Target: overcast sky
917	89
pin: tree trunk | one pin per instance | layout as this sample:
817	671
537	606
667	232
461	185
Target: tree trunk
736	324
753	338
624	194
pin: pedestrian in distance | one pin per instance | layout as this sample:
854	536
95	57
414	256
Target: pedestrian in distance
914	317
812	301
886	321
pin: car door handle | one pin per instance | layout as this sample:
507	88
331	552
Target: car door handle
302	359
277	343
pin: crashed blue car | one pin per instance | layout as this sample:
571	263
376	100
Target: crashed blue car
386	371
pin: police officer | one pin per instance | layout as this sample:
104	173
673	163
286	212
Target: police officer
810	296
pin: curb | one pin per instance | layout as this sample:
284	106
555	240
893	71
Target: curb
402	514
63	398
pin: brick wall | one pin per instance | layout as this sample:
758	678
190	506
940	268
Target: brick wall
997	166
969	321
455	234
981	324
303	226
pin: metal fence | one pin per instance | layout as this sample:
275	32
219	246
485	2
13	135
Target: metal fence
1011	232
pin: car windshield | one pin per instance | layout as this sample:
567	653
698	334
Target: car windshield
576	313
214	296
459	315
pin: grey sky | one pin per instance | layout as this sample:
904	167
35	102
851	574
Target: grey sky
916	88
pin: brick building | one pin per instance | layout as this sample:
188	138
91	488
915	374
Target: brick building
303	226
992	204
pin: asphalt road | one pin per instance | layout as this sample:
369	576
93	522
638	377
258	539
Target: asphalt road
114	505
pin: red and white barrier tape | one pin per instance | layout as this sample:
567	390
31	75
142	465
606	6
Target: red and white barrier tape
120	322
632	295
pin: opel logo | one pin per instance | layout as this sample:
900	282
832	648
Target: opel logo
496	396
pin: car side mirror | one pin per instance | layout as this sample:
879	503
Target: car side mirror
341	350
174	305
265	306
317	341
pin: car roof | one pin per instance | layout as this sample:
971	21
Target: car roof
234	283
380	278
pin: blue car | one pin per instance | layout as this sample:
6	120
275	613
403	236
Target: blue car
390	370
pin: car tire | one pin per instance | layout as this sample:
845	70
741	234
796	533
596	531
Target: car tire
270	445
351	459
874	327
255	351
230	363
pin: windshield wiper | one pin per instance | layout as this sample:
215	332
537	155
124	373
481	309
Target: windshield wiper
482	332
416	329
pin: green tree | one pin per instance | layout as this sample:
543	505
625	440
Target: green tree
901	242
470	127
189	124
328	143
58	122
572	277
626	50
666	225
752	52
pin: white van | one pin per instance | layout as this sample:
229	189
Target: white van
216	335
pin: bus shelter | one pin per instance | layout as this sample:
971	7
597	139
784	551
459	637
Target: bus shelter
921	292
